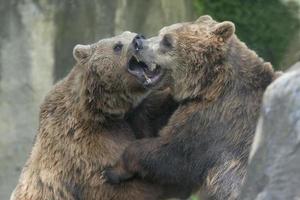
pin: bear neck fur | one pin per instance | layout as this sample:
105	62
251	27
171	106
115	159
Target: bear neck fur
89	103
249	70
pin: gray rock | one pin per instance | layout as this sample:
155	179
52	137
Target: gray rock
26	65
274	168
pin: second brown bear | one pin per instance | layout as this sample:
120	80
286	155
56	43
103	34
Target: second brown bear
219	83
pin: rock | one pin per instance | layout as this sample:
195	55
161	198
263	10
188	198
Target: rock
274	165
26	66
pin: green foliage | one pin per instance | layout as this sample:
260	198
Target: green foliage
194	198
266	26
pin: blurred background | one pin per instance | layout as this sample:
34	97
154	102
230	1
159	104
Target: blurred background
37	38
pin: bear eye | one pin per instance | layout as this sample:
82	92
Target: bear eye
118	47
167	41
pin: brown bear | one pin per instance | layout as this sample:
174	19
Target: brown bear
218	82
85	124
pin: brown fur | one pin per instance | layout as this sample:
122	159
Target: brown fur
83	130
219	83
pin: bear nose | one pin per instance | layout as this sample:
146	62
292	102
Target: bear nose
137	42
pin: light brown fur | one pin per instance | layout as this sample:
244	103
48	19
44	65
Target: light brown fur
218	83
82	130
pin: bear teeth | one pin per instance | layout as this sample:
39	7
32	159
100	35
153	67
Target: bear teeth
137	59
148	80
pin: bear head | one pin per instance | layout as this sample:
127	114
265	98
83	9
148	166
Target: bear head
195	52
112	80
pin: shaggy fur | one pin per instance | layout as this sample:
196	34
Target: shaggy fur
83	128
219	83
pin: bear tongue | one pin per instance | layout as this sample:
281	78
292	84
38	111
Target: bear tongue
152	79
148	80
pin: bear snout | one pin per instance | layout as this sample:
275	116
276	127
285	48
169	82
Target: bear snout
137	42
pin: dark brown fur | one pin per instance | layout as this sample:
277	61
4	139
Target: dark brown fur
83	129
219	83
152	114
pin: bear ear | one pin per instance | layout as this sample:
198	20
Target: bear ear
204	18
224	30
168	40
82	52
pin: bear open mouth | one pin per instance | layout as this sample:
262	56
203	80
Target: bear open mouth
148	74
